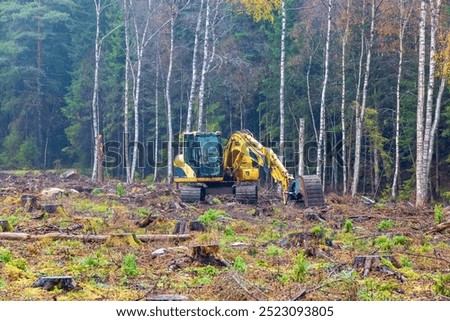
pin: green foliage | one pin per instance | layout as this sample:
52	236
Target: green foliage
275	251
229	231
129	266
384	243
301	267
5	255
374	290
2	283
438	214
211	215
348	226
442	284
405	262
240	265
120	190
96	191
318	230
401	240
385	225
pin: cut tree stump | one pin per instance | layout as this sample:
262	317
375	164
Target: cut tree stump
54	208
370	262
48	283
28	202
167	297
206	254
147	221
180	227
5	226
197	226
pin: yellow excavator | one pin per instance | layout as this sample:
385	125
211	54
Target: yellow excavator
205	167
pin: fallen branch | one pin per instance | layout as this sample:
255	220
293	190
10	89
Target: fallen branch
439	228
11	236
307	291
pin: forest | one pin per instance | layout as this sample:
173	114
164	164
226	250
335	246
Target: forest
369	77
96	97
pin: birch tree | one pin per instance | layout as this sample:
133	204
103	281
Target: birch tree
168	99
282	77
359	119
201	94
404	18
421	184
343	98
320	145
194	69
126	140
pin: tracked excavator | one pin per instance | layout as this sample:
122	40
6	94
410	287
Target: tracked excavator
205	167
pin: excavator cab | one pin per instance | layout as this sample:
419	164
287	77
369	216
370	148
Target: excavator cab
202	156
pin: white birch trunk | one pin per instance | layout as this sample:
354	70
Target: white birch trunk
404	18
156	146
421	193
437	117
282	78
95	111
194	70
427	141
301	147
320	147
309	100
201	111
169	104
343	98
360	119
126	139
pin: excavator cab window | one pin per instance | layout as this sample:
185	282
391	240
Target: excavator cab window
204	154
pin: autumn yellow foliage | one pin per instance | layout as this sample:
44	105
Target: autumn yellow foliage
260	9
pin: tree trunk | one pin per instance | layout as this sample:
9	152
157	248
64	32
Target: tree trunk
155	168
404	18
194	70
301	147
95	111
313	120
360	115
320	145
427	139
126	138
343	97
169	105
201	111
421	184
282	78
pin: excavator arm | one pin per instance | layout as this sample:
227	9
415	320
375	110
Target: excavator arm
243	155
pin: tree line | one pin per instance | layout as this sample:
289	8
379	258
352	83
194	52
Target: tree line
368	77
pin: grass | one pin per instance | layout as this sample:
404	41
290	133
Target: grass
385	225
129	266
301	267
438	214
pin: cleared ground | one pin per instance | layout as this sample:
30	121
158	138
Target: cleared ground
348	250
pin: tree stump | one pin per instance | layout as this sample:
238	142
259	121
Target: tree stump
48	283
54	208
370	262
5	226
197	226
147	221
28	202
180	227
206	254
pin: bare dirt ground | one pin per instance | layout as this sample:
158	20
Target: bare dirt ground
217	250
